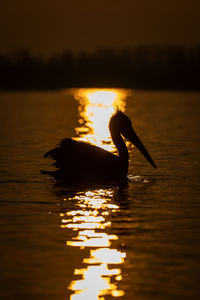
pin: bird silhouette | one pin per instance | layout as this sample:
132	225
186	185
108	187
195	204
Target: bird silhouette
80	162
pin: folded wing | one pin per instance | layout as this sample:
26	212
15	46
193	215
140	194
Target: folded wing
80	157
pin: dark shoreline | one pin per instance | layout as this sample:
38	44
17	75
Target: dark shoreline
49	89
143	68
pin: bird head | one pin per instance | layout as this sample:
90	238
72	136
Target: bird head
121	124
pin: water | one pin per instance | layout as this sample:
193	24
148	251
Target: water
139	241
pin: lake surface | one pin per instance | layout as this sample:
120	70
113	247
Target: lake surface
139	241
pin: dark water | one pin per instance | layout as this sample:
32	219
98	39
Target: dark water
139	241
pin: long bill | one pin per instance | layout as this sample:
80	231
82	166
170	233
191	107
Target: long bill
134	139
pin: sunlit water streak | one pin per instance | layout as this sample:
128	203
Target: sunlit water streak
90	221
96	106
91	217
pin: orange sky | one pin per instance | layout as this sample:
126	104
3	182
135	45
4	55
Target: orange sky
48	27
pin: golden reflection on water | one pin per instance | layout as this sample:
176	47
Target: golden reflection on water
90	220
95	109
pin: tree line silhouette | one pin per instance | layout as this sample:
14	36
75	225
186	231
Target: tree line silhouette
140	68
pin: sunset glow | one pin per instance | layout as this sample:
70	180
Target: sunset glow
96	106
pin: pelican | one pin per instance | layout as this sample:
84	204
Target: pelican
78	161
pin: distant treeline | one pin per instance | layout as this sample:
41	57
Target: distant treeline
140	68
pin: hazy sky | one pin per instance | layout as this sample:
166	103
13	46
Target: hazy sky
47	27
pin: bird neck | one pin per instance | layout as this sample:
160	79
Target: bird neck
122	150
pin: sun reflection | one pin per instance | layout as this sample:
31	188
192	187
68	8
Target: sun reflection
100	272
95	109
90	238
90	218
95	283
101	97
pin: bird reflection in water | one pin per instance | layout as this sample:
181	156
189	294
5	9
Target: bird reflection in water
90	219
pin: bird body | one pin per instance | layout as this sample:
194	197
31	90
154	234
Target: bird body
75	159
82	162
